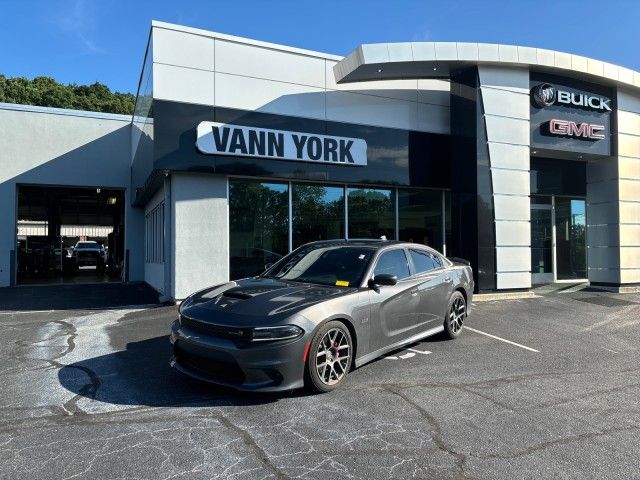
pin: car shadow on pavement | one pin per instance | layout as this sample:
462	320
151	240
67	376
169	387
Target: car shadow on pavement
141	375
76	297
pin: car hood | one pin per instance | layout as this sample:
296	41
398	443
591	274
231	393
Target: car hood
256	300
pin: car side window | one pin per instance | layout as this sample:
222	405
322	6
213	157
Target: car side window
424	261
393	262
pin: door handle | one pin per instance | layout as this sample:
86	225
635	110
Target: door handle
447	279
414	292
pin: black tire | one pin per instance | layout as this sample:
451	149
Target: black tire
327	380
455	316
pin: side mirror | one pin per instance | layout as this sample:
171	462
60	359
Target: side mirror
384	279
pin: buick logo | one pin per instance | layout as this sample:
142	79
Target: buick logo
544	95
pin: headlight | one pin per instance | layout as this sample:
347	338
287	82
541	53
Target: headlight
285	332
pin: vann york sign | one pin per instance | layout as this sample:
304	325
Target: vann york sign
215	138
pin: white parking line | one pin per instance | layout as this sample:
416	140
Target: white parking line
423	352
502	339
411	352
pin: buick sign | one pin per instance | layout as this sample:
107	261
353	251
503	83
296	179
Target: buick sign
545	95
215	138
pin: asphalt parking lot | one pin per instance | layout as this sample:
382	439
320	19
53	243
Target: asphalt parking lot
88	393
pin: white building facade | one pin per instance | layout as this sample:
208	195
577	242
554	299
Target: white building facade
524	161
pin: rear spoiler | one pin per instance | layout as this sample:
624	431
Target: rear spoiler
459	260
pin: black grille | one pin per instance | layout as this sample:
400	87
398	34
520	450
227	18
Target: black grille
218	331
224	369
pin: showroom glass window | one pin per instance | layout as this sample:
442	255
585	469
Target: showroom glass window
371	213
420	217
318	213
258	225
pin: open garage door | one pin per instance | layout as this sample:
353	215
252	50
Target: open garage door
69	235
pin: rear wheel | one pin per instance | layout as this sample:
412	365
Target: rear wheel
456	313
329	358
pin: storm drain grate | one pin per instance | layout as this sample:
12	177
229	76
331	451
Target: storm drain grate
607	301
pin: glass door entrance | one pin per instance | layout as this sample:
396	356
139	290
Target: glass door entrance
558	239
571	251
542	242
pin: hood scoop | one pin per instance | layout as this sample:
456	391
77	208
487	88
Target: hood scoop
229	298
236	295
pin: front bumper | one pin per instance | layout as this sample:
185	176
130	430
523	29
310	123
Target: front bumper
266	366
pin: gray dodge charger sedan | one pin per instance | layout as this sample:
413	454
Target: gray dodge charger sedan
322	310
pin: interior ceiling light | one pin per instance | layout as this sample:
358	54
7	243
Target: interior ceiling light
97	190
379	70
435	68
111	201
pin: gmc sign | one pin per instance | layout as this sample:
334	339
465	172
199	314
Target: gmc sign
567	128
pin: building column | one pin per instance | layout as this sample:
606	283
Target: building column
490	175
199	232
613	203
506	108
628	149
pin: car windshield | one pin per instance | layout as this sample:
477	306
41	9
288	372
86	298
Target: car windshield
339	265
87	245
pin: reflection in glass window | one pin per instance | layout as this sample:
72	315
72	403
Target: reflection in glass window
420	217
393	263
258	225
371	213
318	213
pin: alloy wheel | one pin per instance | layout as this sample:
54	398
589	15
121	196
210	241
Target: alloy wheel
456	314
332	356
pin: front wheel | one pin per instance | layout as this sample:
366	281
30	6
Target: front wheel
456	313
329	358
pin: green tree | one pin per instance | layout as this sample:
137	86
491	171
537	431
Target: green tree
47	92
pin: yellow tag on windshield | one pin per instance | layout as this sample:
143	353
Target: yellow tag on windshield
342	283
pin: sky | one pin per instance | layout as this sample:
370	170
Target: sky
83	41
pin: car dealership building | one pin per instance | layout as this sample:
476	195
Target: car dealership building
524	161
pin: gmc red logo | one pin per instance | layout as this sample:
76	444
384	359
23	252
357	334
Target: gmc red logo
568	128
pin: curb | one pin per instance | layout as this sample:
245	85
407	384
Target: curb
490	297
